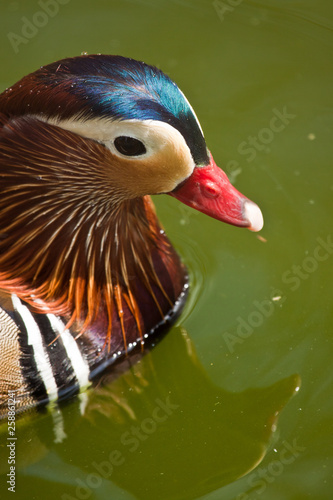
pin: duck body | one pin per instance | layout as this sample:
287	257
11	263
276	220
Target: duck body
86	272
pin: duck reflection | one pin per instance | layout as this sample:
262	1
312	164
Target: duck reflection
161	430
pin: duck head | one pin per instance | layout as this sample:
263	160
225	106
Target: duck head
153	138
83	142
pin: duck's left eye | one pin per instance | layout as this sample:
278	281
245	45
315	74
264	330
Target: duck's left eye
129	146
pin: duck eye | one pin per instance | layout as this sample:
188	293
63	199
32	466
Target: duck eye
129	146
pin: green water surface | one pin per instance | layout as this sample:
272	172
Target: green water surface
235	403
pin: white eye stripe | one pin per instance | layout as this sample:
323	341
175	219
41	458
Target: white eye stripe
166	162
154	134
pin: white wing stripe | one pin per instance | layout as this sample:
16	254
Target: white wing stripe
35	339
79	364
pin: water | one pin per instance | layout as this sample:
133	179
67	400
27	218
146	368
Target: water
197	418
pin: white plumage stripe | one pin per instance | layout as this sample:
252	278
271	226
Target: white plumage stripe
35	339
79	364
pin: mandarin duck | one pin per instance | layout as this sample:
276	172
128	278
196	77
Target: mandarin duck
86	272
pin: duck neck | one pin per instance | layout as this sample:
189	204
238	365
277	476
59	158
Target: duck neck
71	245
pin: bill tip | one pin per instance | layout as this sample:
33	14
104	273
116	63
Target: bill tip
253	214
